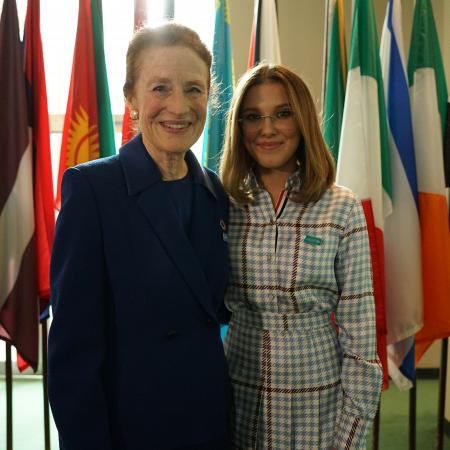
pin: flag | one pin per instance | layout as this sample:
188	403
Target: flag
44	213
222	74
363	163
264	40
140	19
38	121
88	131
169	9
19	309
404	303
335	75
428	93
447	148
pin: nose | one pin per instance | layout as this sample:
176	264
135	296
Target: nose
267	126
178	102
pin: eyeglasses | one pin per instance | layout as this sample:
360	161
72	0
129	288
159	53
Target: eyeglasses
254	122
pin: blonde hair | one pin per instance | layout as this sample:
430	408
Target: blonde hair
317	169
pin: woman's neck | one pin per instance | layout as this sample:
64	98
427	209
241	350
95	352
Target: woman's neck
273	182
172	165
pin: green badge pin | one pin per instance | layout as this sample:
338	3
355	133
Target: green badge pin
313	240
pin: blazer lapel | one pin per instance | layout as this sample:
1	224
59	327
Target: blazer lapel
144	181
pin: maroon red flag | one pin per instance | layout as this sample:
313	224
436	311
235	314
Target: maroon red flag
19	315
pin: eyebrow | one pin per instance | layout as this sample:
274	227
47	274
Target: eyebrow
169	81
255	108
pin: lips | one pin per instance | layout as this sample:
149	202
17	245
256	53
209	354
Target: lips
270	145
175	125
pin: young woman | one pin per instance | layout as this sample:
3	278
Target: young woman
299	254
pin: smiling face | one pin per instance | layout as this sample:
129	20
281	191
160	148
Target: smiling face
273	143
170	95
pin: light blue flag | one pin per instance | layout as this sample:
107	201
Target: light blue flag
222	73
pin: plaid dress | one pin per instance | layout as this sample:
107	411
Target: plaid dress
301	381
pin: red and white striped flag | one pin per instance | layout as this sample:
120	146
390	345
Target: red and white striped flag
19	311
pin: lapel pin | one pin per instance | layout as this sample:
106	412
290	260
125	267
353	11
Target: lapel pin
224	230
314	240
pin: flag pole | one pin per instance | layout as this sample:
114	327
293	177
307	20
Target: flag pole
9	405
45	385
442	391
412	416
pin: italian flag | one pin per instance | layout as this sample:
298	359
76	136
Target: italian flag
363	163
88	128
428	93
335	75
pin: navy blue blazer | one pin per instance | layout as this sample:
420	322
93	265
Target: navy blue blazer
135	355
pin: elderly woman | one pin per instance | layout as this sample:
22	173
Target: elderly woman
299	252
139	270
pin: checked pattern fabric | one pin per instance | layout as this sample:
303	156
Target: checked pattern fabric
301	381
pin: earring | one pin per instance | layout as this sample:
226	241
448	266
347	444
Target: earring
134	114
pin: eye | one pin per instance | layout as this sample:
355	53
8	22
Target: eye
251	117
284	114
161	88
195	89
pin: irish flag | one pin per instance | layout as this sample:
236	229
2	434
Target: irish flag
363	163
428	93
404	309
88	128
335	75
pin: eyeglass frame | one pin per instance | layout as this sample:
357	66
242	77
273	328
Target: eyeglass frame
259	119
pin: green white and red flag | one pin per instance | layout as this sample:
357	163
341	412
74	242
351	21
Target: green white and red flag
363	163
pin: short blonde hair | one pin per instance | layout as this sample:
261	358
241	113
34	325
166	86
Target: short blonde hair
317	168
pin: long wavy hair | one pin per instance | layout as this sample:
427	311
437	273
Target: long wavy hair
316	165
